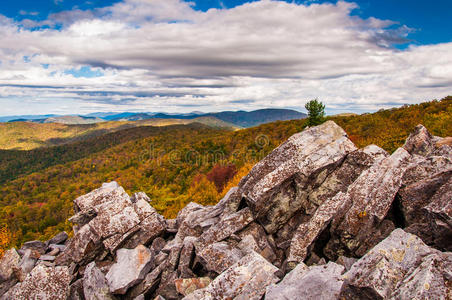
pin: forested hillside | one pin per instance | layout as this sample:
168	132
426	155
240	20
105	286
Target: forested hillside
178	165
29	135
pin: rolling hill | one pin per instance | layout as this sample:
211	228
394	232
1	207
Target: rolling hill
31	135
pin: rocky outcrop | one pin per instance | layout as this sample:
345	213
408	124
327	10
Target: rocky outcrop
400	267
316	219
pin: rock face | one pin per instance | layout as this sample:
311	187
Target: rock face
315	219
130	269
400	267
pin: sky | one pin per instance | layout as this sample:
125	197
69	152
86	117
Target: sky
79	57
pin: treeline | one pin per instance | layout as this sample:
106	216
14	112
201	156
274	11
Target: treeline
178	164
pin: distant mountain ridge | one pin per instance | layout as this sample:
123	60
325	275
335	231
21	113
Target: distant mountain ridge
237	118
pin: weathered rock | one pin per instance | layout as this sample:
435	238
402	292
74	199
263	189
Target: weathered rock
384	271
439	214
95	285
347	262
131	267
35	245
8	262
187	256
84	246
218	257
47	257
187	286
301	156
43	283
187	210
247	279
76	291
420	142
316	282
345	174
259	243
426	281
308	232
27	263
152	224
225	228
367	202
149	284
60	238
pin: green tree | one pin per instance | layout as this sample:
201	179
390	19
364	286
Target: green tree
316	112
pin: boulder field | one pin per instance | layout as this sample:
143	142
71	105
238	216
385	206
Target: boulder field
315	219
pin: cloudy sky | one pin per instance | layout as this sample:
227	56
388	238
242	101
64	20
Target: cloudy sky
71	57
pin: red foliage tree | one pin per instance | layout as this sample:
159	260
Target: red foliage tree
220	175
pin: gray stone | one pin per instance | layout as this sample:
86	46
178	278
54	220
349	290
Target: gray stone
225	228
308	232
8	262
247	279
300	159
218	257
347	262
316	282
47	257
76	291
35	245
388	267
131	267
60	238
95	285
43	283
420	142
187	286
367	202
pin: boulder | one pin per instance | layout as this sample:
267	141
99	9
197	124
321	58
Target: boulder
187	286
366	204
34	245
308	232
27	263
439	215
247	279
76	290
399	265
186	258
95	285
225	228
219	256
8	262
420	141
289	169
131	267
58	239
50	283
316	282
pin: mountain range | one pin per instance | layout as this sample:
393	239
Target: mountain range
243	119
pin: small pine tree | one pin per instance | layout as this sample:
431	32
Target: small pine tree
316	112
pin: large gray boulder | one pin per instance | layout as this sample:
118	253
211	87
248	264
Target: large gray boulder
275	187
366	204
131	267
316	282
50	283
95	285
399	267
247	279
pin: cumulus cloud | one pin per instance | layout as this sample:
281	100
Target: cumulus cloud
164	55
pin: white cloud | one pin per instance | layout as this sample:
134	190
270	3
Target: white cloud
164	55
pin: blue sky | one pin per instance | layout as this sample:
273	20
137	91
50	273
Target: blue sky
66	56
430	20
